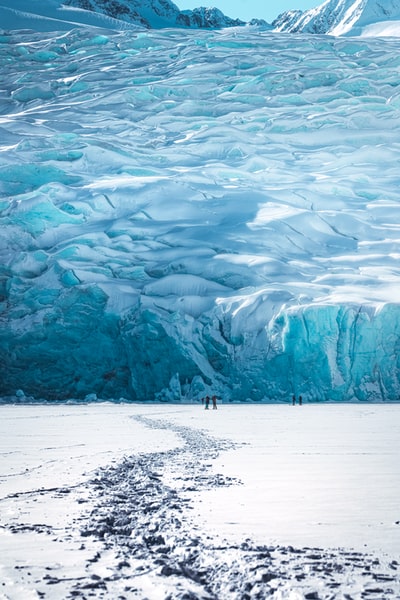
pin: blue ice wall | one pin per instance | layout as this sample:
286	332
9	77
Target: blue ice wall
325	353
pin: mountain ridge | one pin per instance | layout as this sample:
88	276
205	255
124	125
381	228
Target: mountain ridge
366	18
157	13
338	17
109	14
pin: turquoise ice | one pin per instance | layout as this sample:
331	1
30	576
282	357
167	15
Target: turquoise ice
187	212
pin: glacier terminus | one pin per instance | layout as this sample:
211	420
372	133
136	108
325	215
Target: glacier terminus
192	211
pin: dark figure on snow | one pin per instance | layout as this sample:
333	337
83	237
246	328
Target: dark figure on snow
293	400
300	400
207	401
214	401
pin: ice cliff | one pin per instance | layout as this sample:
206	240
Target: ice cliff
181	213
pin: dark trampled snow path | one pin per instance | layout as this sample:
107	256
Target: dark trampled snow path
144	542
129	529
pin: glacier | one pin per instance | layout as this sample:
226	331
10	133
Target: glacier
186	212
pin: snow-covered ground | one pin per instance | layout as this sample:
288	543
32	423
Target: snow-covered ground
247	501
382	29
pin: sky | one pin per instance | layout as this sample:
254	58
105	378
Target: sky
249	9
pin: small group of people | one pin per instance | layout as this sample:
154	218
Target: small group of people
294	400
206	401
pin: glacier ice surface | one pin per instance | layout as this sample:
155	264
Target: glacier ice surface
186	212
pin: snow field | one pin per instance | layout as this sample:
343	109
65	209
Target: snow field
278	500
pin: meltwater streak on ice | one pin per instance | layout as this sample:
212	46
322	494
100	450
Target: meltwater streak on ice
219	204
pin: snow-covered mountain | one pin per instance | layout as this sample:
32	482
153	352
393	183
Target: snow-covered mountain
157	13
205	211
335	17
344	17
54	15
